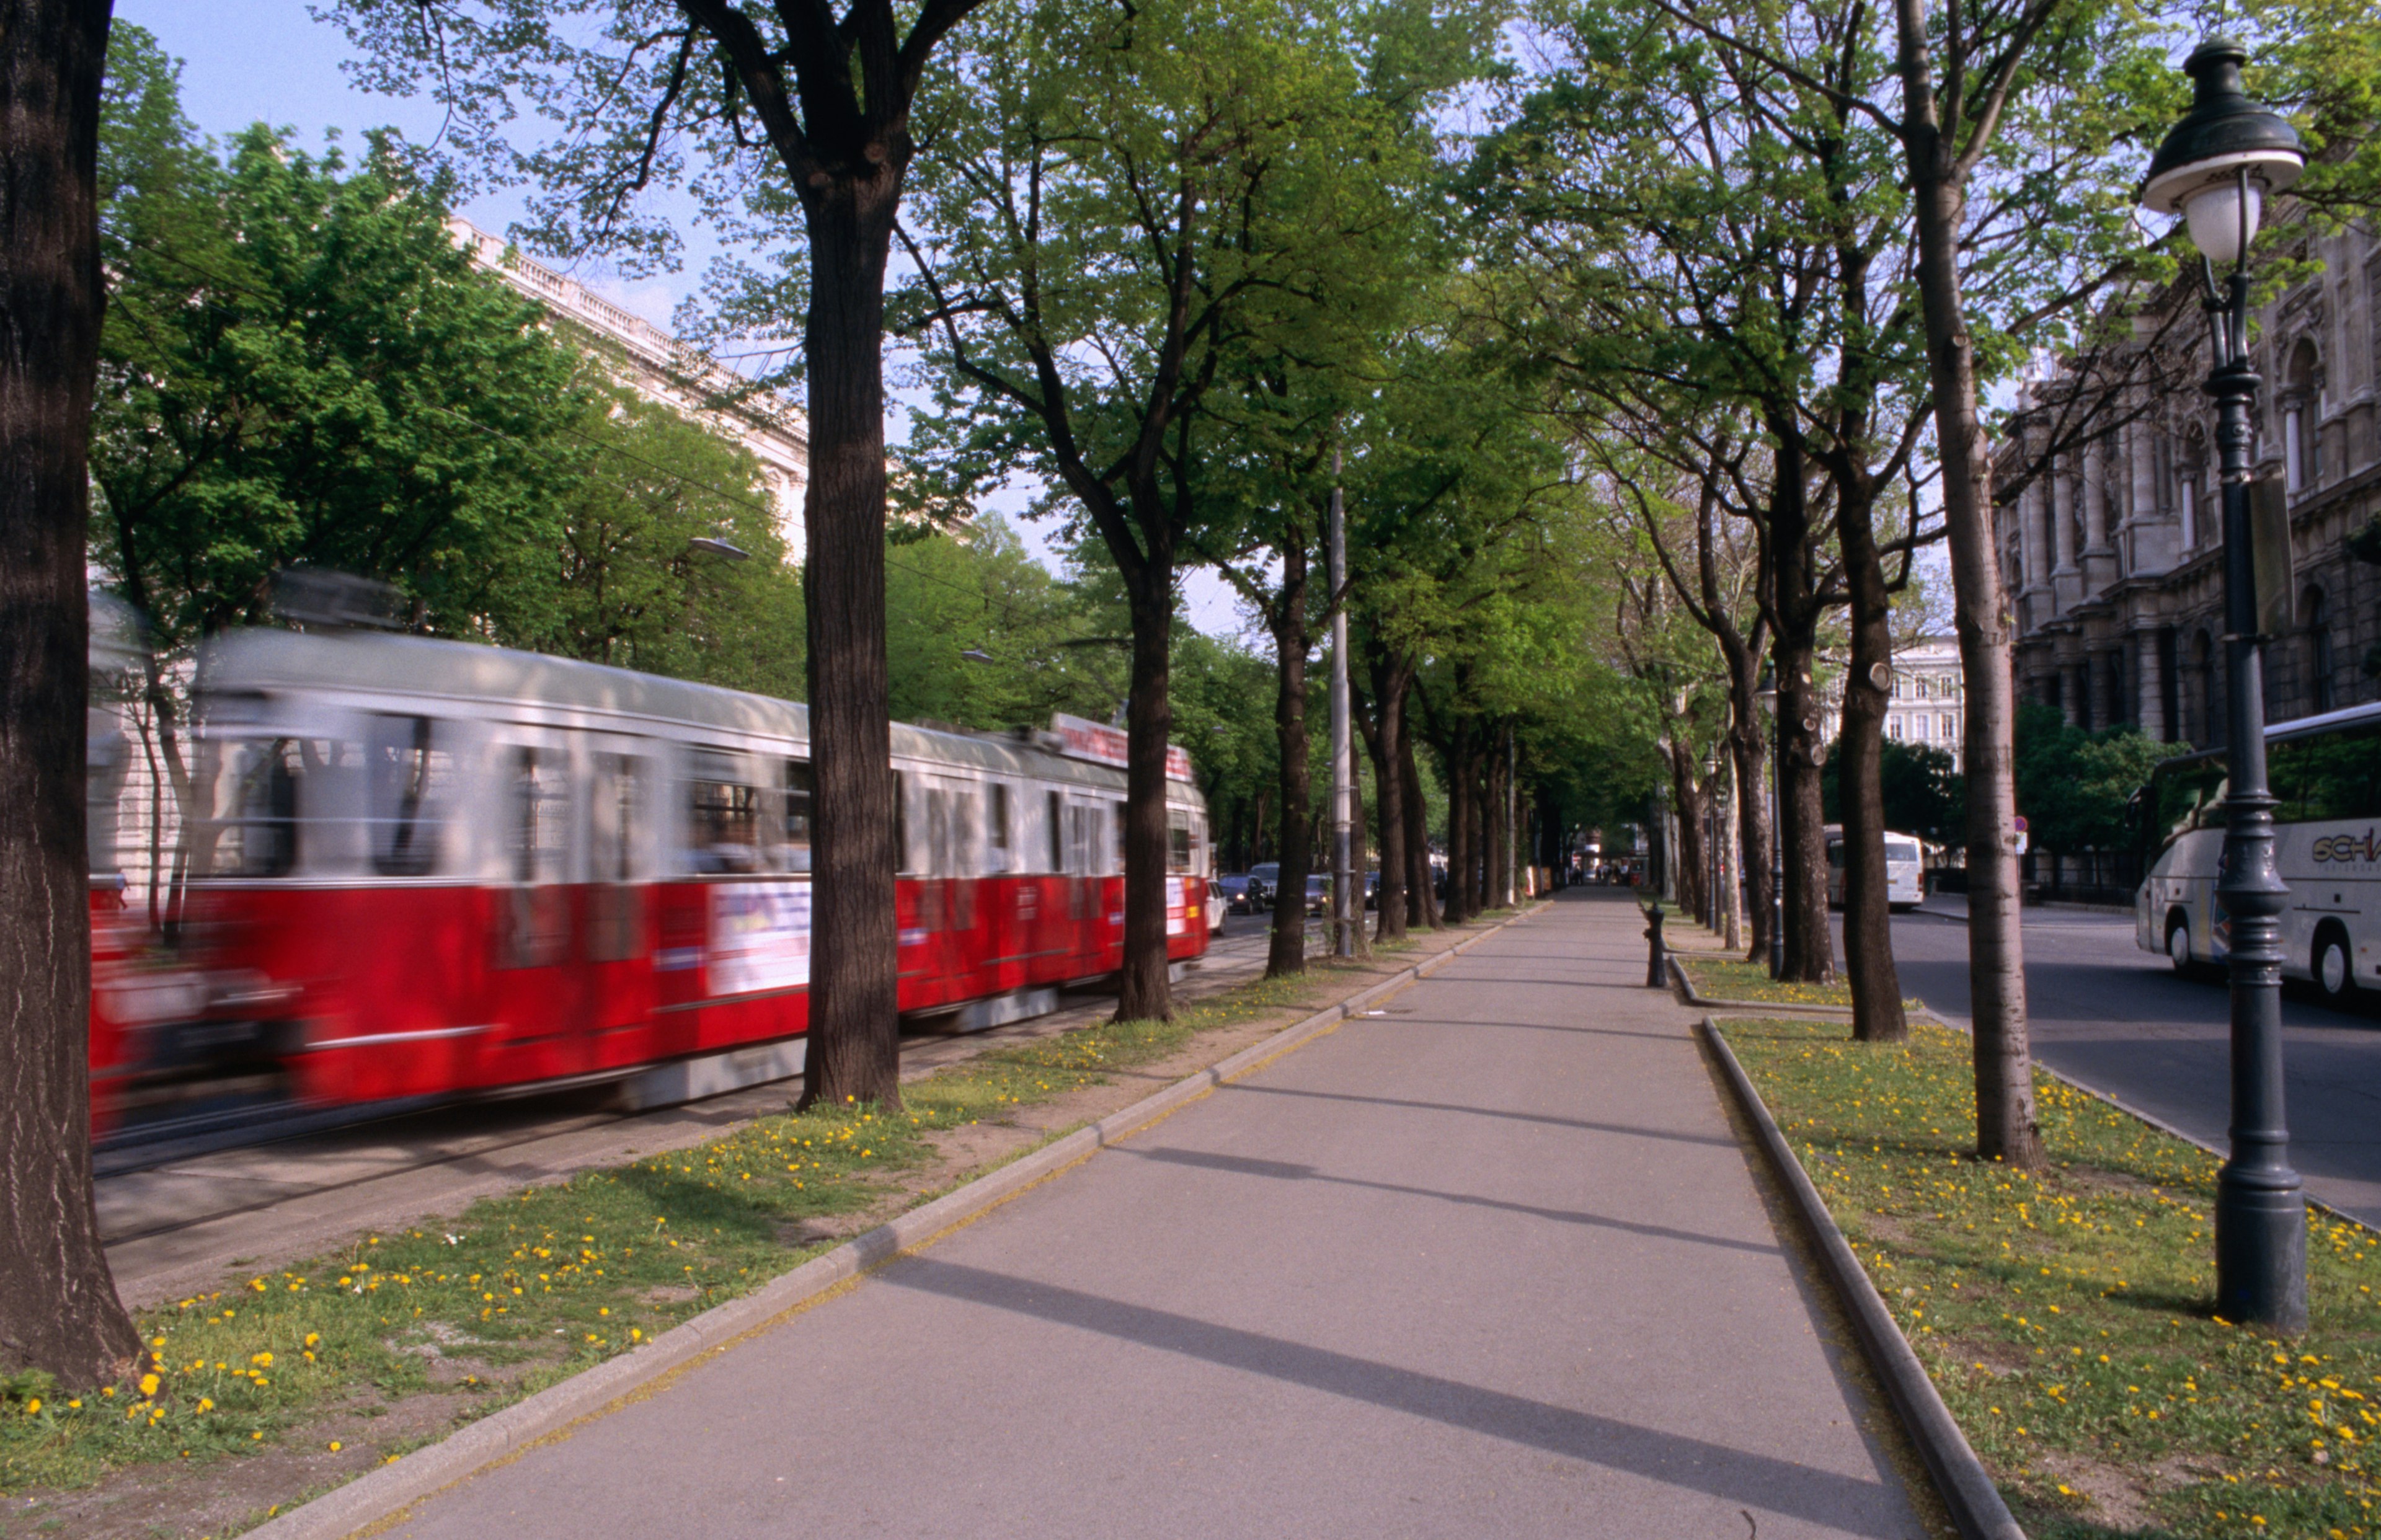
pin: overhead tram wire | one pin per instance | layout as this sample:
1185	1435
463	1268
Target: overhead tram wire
1003	605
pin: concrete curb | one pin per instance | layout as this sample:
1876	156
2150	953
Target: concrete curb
1686	987
383	1493
1967	1488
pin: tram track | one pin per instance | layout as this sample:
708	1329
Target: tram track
173	1226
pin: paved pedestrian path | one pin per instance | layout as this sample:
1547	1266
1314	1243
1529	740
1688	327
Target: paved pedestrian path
1488	1263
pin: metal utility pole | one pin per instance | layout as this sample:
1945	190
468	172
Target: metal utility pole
1347	906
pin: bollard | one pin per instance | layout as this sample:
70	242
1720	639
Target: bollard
1654	979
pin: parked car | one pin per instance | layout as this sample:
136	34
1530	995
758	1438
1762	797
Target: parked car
1216	904
1236	891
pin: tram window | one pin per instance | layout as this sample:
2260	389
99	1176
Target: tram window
257	837
938	832
2331	775
964	845
541	807
1116	828
619	793
1057	832
797	857
410	780
901	860
1178	840
723	816
997	830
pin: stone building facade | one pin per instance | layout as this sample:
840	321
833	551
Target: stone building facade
2114	555
657	366
1923	704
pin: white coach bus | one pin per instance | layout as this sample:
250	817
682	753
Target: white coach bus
2326	773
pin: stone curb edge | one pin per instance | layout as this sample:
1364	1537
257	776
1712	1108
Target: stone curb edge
1686	986
1966	1487
382	1493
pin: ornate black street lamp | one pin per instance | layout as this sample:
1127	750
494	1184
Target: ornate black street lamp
2216	168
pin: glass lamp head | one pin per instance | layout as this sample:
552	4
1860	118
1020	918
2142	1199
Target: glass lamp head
2227	154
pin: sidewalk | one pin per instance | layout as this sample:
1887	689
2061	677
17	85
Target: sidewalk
1491	1263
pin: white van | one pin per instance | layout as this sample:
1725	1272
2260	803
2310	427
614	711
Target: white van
1905	884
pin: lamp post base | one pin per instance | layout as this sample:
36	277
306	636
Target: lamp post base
2261	1253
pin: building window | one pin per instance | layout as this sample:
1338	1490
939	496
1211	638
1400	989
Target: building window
2319	660
2302	441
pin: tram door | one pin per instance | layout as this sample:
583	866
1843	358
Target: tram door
946	895
615	923
1086	890
536	989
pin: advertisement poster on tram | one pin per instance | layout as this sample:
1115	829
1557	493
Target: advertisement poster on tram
759	936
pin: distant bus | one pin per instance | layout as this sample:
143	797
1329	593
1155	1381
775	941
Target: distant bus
2326	773
1905	887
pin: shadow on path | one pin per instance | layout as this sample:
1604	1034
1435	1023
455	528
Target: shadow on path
1735	1475
1243	1087
1283	1170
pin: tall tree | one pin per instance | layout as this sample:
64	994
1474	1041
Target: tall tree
1124	201
802	117
59	1314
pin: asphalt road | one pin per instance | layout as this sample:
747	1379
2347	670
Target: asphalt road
2122	1021
1490	1261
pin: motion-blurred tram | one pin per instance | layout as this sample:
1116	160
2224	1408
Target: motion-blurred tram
421	869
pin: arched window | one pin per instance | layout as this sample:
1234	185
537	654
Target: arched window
2190	482
2318	627
2301	436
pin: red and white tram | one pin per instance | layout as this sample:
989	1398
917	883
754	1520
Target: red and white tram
425	868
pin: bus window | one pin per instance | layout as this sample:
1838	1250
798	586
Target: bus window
797	856
2185	795
408	780
723	816
2329	777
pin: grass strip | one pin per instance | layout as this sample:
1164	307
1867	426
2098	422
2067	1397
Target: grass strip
1728	978
521	1291
2066	1316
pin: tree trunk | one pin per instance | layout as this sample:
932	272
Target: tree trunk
1388	780
1868	930
855	1036
1422	887
1296	841
1750	748
1691	853
1496	796
2005	1129
1144	992
58	1309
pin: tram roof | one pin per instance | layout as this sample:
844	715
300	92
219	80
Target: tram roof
416	667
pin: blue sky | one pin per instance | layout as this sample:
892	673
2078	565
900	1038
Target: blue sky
247	60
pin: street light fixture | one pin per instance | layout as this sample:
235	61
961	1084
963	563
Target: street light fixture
2216	168
1766	693
718	548
977	655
